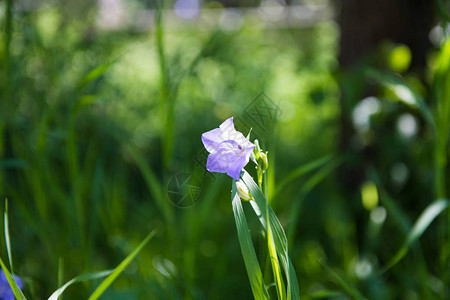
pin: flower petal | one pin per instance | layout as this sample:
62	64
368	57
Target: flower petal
235	168
229	149
211	140
215	163
228	131
227	125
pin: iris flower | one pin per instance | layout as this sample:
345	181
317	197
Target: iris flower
229	149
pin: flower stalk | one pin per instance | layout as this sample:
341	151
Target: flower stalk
230	152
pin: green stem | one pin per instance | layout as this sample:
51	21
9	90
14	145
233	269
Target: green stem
277	275
266	187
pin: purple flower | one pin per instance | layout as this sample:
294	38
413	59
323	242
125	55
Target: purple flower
229	150
6	292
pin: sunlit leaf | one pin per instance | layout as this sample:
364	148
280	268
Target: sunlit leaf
281	244
248	251
12	283
81	278
94	74
422	223
279	283
7	238
325	294
403	90
119	269
16	290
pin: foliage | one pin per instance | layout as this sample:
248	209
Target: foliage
95	123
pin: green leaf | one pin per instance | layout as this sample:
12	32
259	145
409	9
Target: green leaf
281	291
306	187
119	269
441	93
248	251
404	91
60	272
7	238
347	287
155	187
12	283
422	223
259	206
94	74
300	171
81	102
16	290
80	278
325	294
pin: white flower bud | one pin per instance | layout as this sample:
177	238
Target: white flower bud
243	191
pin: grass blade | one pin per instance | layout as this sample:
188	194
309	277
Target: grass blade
325	294
81	278
16	290
94	74
310	184
281	292
119	269
259	206
300	171
7	239
248	251
422	223
347	287
155	187
404	91
60	272
12	283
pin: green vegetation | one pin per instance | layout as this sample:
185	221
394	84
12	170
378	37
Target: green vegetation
95	123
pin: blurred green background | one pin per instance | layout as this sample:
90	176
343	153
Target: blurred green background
104	102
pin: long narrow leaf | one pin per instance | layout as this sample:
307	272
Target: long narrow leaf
7	239
274	259
301	171
405	92
12	283
312	182
325	294
94	74
155	187
119	269
60	272
259	206
248	251
81	278
347	287
422	223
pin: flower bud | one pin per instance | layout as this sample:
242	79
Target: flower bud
257	149
243	191
263	162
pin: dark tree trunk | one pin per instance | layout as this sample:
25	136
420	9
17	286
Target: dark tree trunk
366	23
